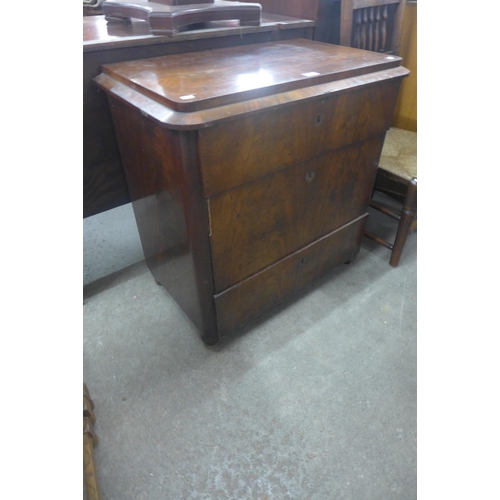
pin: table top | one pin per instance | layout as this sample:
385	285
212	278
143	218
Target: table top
203	80
100	34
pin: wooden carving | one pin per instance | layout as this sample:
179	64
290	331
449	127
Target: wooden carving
167	17
370	28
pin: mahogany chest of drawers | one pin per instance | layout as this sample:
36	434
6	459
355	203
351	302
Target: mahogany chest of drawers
250	168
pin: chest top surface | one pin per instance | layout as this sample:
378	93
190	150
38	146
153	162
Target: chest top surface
202	80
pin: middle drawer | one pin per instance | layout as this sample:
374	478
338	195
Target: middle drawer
258	223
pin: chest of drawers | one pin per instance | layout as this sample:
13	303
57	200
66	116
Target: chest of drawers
250	168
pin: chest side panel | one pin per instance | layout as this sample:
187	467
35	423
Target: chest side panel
162	172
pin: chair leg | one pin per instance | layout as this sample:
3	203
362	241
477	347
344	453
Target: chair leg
405	225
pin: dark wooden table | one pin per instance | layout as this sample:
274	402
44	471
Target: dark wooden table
250	168
104	185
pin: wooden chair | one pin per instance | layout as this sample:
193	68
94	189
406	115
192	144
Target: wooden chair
376	25
397	178
372	24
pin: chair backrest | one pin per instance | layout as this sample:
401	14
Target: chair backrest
372	24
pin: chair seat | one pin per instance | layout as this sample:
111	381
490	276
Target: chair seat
399	154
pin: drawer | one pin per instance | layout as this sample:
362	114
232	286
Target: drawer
244	149
252	297
259	223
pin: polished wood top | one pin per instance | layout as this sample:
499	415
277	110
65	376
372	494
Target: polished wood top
98	34
208	79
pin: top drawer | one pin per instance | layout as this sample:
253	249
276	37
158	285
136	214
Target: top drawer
238	151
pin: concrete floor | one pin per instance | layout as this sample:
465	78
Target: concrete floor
316	401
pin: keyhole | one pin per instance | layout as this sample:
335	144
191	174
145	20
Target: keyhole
310	176
302	261
319	119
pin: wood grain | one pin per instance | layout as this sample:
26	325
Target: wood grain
304	9
207	80
241	206
104	185
259	223
249	299
163	176
405	115
237	152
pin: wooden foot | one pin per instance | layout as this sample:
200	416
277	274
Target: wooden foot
89	441
88	405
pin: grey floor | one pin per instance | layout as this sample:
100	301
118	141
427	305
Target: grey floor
316	401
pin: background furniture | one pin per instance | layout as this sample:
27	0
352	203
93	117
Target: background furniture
104	185
324	13
249	183
92	7
372	24
405	116
397	179
169	17
376	25
404	140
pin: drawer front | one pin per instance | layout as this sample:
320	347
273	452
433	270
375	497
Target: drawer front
241	150
261	222
249	299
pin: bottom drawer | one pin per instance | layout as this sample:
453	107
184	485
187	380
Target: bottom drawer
245	301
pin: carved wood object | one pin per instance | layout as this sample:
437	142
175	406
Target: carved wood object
372	24
89	441
168	17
